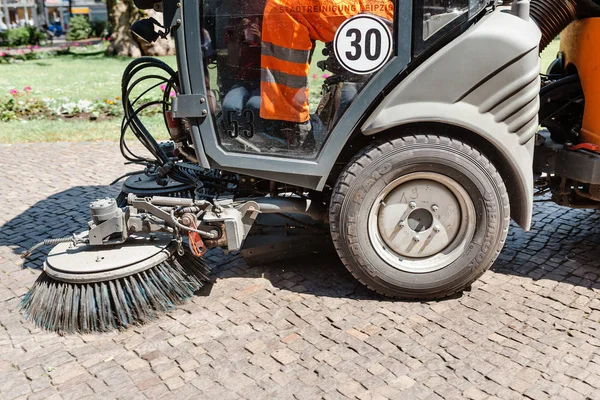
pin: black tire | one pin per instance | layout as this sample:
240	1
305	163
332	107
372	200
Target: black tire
373	169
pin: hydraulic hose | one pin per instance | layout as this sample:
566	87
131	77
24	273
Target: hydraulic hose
52	242
552	16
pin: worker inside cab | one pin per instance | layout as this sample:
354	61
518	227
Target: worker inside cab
290	29
272	97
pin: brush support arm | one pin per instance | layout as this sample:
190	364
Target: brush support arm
220	224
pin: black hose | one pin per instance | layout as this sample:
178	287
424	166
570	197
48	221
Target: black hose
131	119
125	176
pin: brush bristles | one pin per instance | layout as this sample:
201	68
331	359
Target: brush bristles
116	304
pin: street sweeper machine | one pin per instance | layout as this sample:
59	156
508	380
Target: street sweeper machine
406	130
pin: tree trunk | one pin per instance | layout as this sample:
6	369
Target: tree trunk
123	13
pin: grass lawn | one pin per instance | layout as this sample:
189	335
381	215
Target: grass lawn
99	77
73	131
76	78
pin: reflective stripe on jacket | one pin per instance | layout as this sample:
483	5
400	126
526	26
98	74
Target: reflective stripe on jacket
289	29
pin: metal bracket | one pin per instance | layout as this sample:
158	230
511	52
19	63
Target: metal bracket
250	211
172	13
190	106
117	224
144	205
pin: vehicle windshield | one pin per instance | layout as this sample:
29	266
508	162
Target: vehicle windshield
439	13
281	73
477	6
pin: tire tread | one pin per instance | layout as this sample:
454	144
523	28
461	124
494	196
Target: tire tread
370	153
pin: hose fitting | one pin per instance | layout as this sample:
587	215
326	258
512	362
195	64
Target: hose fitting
53	242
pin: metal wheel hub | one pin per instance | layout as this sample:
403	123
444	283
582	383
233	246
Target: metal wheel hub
421	222
419	218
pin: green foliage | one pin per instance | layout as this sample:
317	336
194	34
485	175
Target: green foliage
76	77
23	55
35	35
15	37
23	36
100	28
18	107
74	130
79	28
7	110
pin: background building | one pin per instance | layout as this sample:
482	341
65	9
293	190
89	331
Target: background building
19	12
40	12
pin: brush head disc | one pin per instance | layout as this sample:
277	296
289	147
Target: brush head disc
145	185
113	296
88	264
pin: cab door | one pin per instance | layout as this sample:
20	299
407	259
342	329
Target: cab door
276	88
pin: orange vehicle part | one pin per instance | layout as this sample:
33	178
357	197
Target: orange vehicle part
580	43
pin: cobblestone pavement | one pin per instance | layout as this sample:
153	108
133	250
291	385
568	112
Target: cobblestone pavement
302	329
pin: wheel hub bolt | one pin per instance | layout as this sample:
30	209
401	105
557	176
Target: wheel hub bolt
412	204
417	239
437	229
401	224
435	207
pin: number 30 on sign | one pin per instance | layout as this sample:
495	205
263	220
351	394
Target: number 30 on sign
363	44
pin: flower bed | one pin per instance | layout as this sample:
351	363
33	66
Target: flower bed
25	105
23	54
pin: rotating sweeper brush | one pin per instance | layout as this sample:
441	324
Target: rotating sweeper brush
134	263
141	255
89	289
127	269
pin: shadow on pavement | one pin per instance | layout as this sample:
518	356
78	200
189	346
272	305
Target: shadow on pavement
57	216
563	246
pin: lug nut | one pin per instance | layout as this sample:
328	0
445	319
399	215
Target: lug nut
412	204
417	239
435	207
437	229
401	224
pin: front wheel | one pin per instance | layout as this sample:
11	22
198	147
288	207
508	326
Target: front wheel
419	217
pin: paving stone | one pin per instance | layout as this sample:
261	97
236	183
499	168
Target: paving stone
157	392
42	394
66	372
351	389
402	382
284	356
303	328
255	347
174	382
475	394
135	364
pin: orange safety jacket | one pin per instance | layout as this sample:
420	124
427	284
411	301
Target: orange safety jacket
288	31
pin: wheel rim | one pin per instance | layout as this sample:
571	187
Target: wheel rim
422	222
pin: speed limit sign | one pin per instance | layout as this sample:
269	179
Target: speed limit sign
363	44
